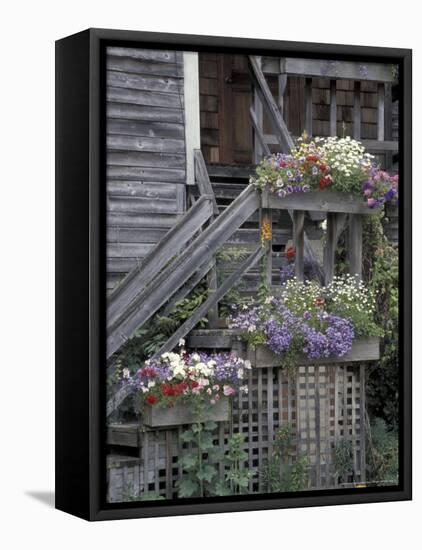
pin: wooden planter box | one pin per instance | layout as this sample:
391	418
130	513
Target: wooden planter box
319	201
181	413
364	349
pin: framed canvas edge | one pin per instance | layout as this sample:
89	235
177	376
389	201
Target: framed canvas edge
97	509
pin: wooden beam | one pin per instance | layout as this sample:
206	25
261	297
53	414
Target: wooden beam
322	201
298	242
357	116
381	105
308	106
355	246
202	178
333	107
266	220
325	68
335	225
259	136
211	301
270	106
191	104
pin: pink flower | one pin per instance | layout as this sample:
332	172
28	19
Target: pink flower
227	390
371	203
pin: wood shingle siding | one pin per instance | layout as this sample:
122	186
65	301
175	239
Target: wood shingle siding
146	153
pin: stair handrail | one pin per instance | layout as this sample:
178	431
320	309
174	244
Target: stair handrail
163	252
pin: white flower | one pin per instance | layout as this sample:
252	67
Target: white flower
195	357
126	373
244	389
248	364
182	343
151	384
240	373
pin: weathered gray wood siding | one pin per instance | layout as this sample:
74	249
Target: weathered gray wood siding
146	157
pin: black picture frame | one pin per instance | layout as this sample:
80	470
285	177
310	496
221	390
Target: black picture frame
80	274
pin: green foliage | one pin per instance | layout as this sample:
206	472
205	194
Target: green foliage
130	495
236	478
382	453
343	458
381	270
195	461
278	474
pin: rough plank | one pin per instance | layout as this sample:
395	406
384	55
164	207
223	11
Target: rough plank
146	173
146	159
148	144
364	349
156	190
144	97
128	65
169	280
321	201
140	205
165	250
168	130
350	70
270	106
203	180
211	301
144	113
163	56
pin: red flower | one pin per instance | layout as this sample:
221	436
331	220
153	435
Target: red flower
148	372
319	302
151	400
312	158
167	390
324	182
194	384
290	253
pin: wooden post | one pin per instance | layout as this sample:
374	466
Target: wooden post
381	105
259	117
192	124
335	224
282	83
330	247
356	110
333	108
266	228
355	245
362	415
298	242
308	106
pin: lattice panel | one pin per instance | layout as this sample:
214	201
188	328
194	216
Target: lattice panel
322	406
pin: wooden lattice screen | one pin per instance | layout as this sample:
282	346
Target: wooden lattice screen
322	405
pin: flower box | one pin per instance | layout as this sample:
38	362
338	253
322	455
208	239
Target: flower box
363	349
182	413
319	201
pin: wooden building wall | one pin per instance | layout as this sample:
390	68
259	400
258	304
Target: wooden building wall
226	94
146	157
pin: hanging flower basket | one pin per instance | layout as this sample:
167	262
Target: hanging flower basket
182	413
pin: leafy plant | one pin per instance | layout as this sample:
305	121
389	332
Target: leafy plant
381	270
343	458
278	474
383	453
196	460
236	478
